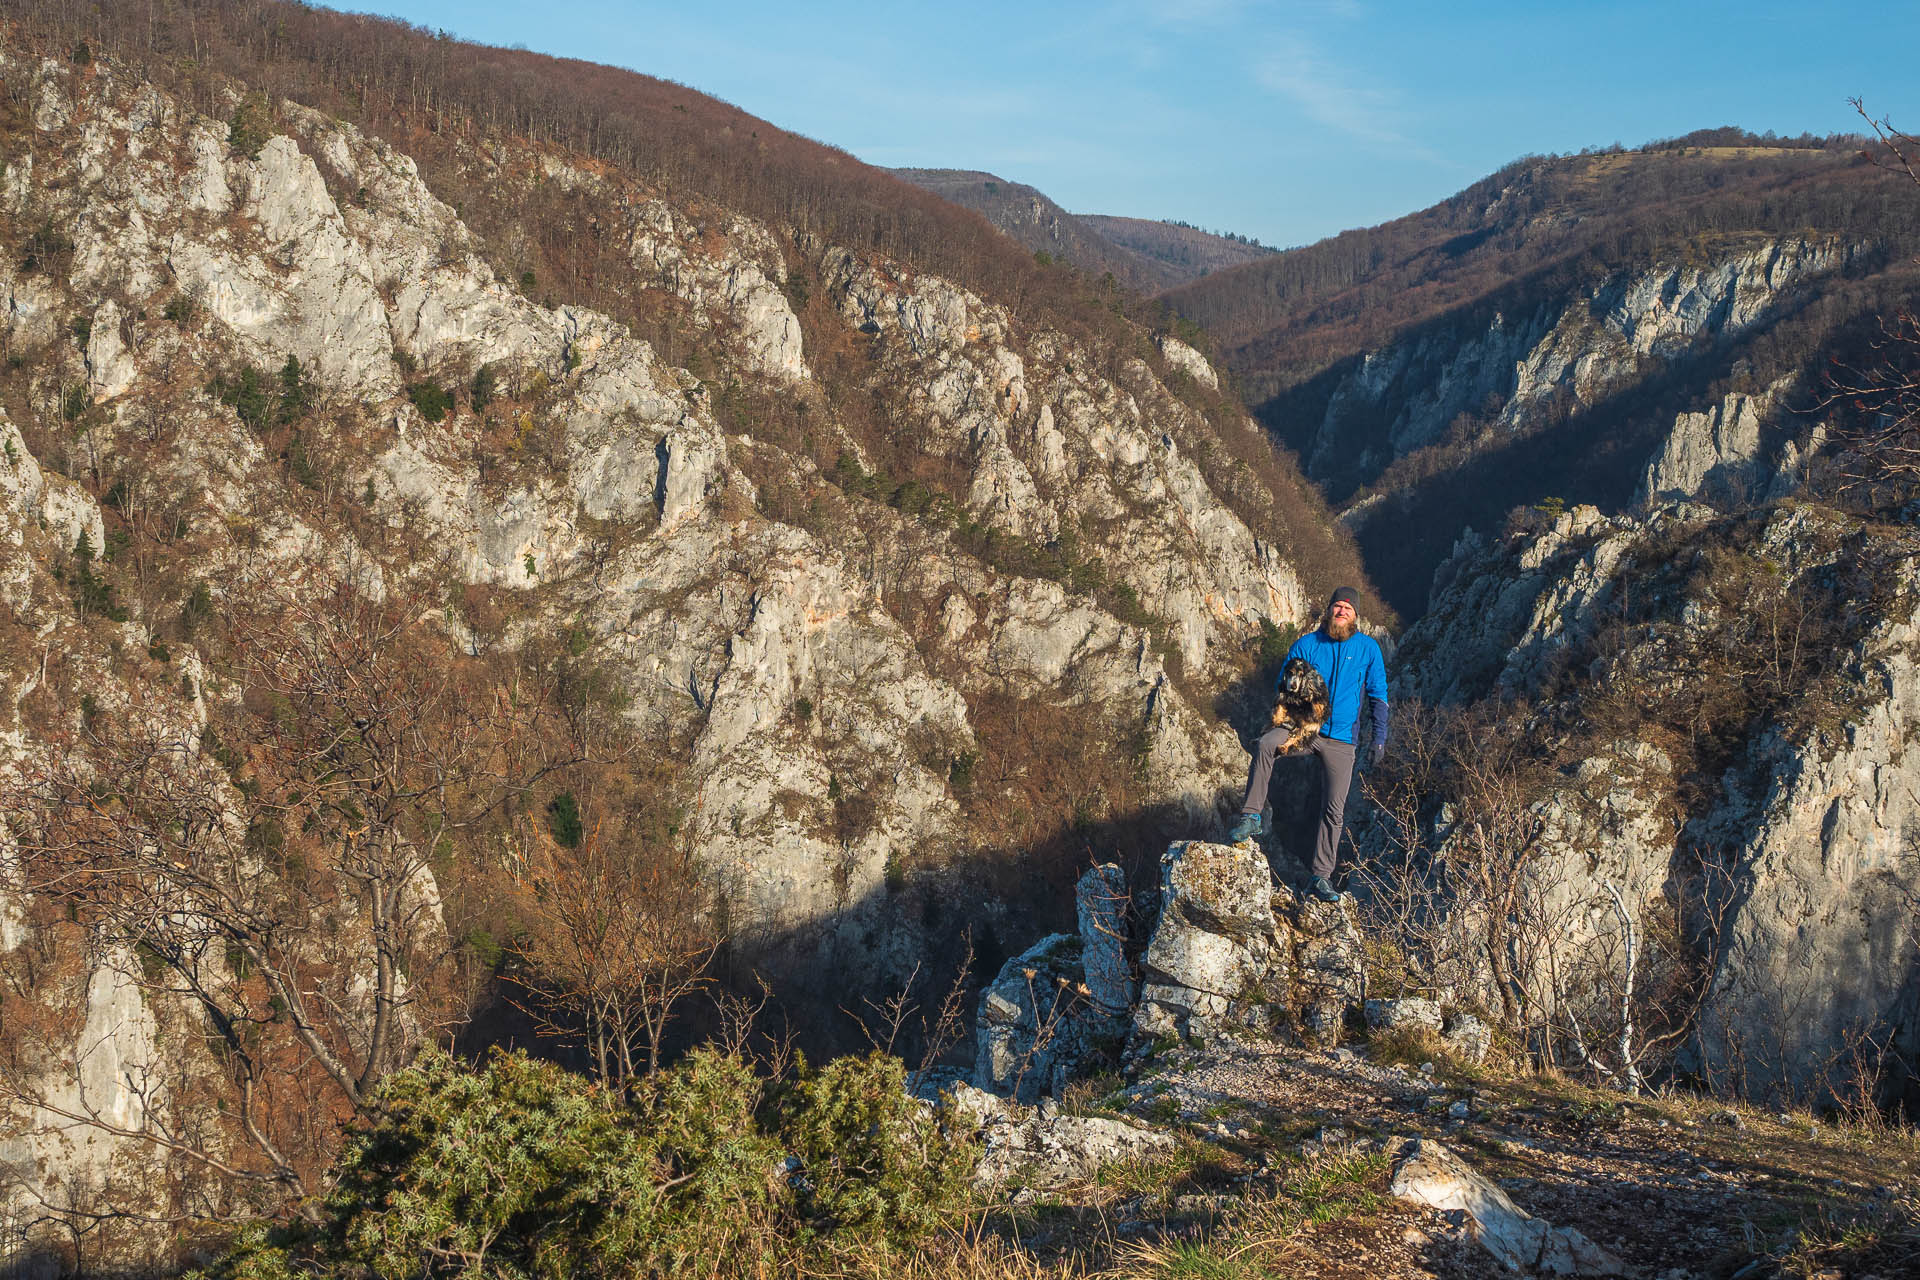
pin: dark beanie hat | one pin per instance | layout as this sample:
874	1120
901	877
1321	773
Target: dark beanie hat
1348	594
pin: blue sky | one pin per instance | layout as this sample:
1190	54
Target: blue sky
1282	121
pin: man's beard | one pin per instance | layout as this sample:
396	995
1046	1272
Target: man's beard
1341	629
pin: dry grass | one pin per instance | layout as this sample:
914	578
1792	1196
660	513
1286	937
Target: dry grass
1262	1232
1262	1235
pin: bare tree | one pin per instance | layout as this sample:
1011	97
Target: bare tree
273	874
1875	399
617	936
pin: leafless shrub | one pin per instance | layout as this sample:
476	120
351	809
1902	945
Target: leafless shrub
1463	896
615	941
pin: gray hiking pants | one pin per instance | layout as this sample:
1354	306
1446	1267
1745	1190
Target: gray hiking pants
1336	776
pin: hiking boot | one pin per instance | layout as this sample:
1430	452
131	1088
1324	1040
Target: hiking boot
1322	888
1249	826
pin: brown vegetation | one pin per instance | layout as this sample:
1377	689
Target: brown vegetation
277	877
1284	318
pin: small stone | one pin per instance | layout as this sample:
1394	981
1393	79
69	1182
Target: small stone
1426	1068
1458	1110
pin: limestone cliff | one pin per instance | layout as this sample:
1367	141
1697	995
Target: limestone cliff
842	673
1728	699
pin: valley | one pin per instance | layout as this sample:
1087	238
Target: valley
549	624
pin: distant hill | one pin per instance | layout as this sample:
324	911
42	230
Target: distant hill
1189	250
1144	255
1035	221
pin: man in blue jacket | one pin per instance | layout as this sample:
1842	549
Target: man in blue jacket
1350	662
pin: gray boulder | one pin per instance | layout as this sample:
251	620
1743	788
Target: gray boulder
1407	1011
1468	1037
1060	1005
1329	970
1427	1173
1217	956
1040	1147
1100	901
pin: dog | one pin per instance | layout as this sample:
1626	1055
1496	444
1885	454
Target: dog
1301	706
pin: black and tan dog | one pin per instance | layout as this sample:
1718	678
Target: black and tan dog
1301	706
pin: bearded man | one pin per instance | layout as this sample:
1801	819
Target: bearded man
1349	661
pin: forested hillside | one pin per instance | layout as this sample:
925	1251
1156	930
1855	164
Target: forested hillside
1186	248
1526	232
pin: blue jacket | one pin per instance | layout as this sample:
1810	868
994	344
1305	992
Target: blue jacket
1352	668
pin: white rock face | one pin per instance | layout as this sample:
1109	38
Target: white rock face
1043	440
110	366
1509	369
313	294
1497	617
1819	945
1187	360
112	1071
743	282
1811	893
1713	455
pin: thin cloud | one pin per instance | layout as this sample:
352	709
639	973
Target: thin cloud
1333	94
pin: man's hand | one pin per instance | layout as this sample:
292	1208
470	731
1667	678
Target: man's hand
1378	754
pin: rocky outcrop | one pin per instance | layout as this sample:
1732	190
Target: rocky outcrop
1185	359
1230	950
1040	1147
1789	866
1218	956
71	1119
1059	1009
1330	973
1428	1173
1049	447
1816	962
1501	613
1713	455
1230	954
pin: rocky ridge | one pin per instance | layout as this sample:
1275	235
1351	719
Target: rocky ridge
1565	354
